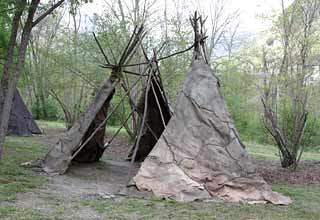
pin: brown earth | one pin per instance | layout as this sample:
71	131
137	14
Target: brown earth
308	172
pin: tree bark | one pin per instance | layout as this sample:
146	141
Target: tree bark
12	70
5	80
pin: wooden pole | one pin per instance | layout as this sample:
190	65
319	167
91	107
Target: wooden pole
158	104
104	122
117	132
136	147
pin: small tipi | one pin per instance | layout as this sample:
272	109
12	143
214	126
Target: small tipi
158	115
21	122
84	141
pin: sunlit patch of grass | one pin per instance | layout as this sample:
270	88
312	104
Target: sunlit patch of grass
58	125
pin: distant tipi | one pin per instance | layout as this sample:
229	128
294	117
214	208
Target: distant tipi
21	122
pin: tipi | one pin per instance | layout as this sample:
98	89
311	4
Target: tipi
200	155
21	122
158	115
84	141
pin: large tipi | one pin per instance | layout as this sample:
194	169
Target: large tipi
200	155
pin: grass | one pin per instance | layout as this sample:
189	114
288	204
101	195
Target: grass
10	213
51	124
111	130
14	180
306	206
60	126
270	152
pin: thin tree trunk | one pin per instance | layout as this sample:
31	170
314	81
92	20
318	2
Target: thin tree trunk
5	80
12	71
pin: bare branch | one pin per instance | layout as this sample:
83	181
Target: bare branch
46	13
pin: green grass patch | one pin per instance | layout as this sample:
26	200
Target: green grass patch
270	152
51	124
12	213
313	149
58	125
306	206
111	130
13	178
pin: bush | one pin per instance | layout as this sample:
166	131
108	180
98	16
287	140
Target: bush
51	109
311	136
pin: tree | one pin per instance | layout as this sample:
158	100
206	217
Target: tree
14	64
285	85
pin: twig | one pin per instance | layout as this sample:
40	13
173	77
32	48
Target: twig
46	13
160	86
174	54
161	58
124	54
133	73
135	107
117	132
158	104
99	45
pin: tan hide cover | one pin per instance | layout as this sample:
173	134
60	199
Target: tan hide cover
199	155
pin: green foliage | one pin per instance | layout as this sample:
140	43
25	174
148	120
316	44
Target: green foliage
4	27
311	136
68	64
239	90
121	113
51	109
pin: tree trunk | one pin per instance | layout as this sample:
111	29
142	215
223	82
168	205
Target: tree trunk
12	71
5	80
